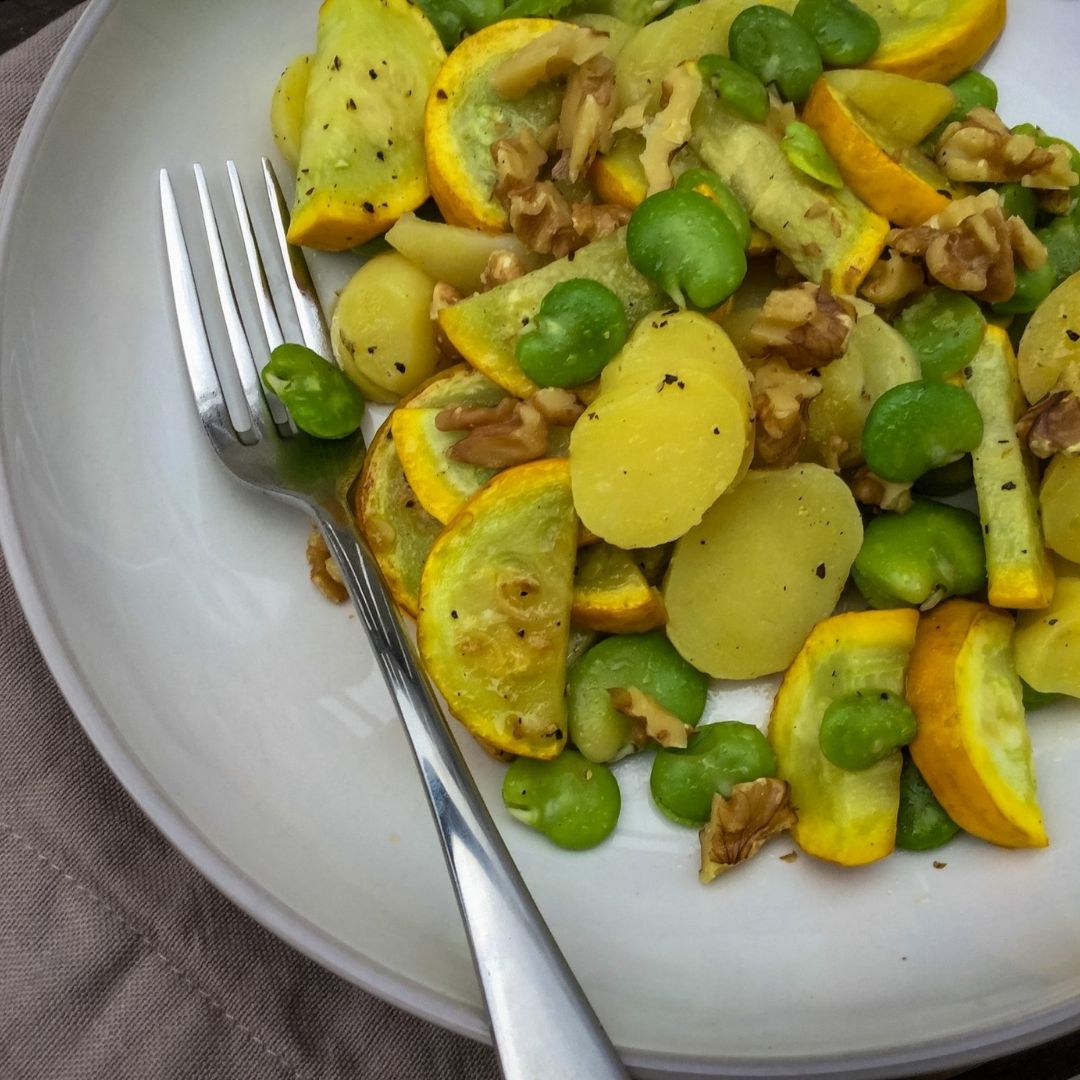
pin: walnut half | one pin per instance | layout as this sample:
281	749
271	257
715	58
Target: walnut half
649	719
1052	426
806	324
781	397
739	825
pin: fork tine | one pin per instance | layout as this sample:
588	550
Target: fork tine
234	327
263	295
308	309
198	358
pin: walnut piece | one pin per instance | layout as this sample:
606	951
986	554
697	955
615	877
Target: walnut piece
541	220
323	569
781	398
547	57
502	266
444	295
558	407
588	110
467	417
739	825
518	162
1052	426
594	221
805	324
649	719
870	490
981	149
892	279
522	437
971	247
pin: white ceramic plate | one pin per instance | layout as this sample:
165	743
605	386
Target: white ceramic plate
245	715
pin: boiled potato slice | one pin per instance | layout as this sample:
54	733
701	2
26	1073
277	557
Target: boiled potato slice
972	747
382	333
452	254
769	560
361	150
494	620
287	108
1050	348
1059	498
611	593
647	463
845	817
1048	641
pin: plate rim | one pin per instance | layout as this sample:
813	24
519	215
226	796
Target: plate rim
270	912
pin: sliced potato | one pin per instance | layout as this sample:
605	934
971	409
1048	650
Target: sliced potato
1059	499
287	108
972	747
1050	348
485	328
1048	641
361	150
769	559
495	598
382	332
451	253
647	463
845	817
612	595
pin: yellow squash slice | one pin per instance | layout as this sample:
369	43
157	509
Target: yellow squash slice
876	155
361	149
485	328
611	593
495	601
845	817
465	115
1019	569
287	108
973	747
1050	348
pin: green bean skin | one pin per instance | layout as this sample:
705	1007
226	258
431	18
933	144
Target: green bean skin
706	182
803	147
861	729
845	34
921	822
318	394
771	44
740	91
945	329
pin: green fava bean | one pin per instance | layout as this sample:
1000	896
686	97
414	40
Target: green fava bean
706	182
1032	288
1045	141
771	44
1062	241
1037	699
951	479
649	662
945	329
861	729
741	91
845	34
687	245
921	821
1019	201
579	327
803	147
972	90
575	803
931	552
718	757
319	396
918	426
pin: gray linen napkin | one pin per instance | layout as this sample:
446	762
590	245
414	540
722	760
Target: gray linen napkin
118	961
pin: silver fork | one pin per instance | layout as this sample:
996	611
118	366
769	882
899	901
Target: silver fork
543	1026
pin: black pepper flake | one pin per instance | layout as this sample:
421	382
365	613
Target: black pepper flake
1051	622
440	94
337	63
525	321
453	614
372	73
521	633
558	733
939	865
400	366
1008	486
380	155
681	385
570	256
410	503
309	191
325	126
1072	335
669	379
716	431
305	171
968	372
986	530
820	570
591	416
371	350
350	105
369	208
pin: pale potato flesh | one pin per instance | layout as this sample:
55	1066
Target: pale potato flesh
1059	499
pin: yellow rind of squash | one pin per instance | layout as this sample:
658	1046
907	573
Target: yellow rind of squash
966	696
1018	566
844	817
611	594
495	598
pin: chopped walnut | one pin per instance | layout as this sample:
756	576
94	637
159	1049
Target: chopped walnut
547	57
981	149
513	441
649	719
971	247
323	569
1055	202
738	826
781	398
467	417
871	490
781	114
503	265
443	296
558	407
1052	426
518	162
588	111
805	324
594	221
541	220
892	279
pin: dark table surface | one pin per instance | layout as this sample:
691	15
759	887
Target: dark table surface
1059	1060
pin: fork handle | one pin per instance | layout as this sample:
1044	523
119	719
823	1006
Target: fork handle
542	1024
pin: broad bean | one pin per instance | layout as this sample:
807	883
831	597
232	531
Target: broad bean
860	729
845	34
319	396
777	49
